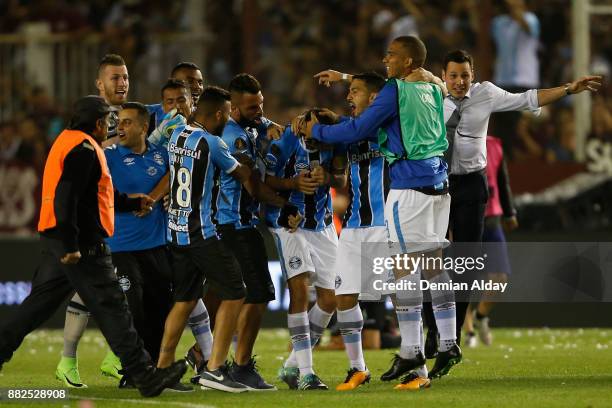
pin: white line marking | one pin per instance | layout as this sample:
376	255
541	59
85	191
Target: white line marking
144	401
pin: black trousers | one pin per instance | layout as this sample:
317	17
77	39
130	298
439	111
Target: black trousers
145	278
469	195
93	278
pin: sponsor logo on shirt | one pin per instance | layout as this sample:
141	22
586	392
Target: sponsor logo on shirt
128	161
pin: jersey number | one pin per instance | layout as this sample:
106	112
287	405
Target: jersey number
183	192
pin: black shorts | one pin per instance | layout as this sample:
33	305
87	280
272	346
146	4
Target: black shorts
210	260
248	247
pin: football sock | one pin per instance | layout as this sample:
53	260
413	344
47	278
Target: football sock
422	370
199	323
443	304
409	304
350	323
75	324
299	331
318	320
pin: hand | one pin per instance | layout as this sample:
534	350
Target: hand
146	204
297	124
308	124
319	175
161	134
245	160
274	131
71	258
304	183
510	223
289	217
166	202
331	115
328	77
420	75
586	83
294	222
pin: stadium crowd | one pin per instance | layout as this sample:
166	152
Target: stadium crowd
291	41
409	143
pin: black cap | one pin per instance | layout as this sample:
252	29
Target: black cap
90	107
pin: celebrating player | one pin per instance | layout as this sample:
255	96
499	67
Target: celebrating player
305	174
413	141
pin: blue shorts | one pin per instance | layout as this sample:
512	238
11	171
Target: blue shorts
494	245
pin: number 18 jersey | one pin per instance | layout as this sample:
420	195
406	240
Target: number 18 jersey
194	155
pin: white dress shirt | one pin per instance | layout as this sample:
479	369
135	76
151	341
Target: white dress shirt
469	145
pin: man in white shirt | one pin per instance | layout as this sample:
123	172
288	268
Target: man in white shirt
466	114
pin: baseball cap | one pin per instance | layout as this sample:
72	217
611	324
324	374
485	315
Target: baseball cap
90	107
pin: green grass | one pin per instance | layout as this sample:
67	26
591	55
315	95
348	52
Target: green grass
524	368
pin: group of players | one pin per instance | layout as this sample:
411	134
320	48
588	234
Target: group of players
210	165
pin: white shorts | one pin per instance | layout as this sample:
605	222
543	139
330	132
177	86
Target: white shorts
308	251
416	222
357	249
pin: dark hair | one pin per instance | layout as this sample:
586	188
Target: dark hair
174	84
459	57
211	99
373	80
143	113
324	120
110	59
244	83
415	47
183	65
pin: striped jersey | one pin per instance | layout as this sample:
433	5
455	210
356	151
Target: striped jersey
113	121
234	204
368	184
286	158
194	156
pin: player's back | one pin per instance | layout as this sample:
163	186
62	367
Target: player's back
191	182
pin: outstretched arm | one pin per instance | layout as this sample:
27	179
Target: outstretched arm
329	76
590	83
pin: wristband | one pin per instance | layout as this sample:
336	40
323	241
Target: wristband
567	89
345	77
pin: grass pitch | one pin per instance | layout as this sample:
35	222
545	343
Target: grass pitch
523	368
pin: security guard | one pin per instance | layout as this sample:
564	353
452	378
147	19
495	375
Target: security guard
77	213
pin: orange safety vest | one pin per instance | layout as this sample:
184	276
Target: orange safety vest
54	167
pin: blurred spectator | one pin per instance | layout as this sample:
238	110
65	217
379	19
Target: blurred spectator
563	146
516	35
602	119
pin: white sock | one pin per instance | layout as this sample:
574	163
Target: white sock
318	320
299	330
199	322
350	323
422	370
75	324
443	304
409	304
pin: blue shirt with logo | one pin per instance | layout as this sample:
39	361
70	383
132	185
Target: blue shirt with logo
137	173
234	204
